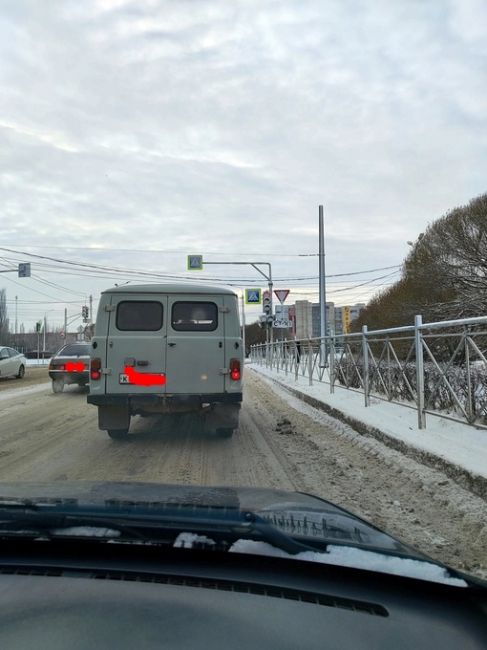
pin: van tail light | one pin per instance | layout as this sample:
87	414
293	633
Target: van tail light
95	369
235	372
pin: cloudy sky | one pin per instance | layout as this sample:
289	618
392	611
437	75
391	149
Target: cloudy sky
151	129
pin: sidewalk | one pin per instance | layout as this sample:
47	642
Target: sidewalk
459	450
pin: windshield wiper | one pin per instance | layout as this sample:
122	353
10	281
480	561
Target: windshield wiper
159	525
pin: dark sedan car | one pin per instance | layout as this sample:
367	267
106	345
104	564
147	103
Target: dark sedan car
70	365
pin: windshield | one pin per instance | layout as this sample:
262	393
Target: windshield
266	226
74	351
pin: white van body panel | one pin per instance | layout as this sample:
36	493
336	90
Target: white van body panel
196	360
188	334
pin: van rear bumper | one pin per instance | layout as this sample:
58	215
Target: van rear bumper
153	400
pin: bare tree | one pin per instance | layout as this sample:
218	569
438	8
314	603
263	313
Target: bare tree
449	263
444	276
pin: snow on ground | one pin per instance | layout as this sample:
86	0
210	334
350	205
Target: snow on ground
457	444
37	362
23	391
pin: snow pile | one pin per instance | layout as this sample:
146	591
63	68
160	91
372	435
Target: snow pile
455	444
357	558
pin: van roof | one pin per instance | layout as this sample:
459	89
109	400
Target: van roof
170	288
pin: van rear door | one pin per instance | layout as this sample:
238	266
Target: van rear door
195	344
137	340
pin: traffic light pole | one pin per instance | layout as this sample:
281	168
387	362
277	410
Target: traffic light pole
267	276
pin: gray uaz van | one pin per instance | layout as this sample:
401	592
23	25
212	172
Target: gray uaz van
167	348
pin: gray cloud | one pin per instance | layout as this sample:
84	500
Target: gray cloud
215	126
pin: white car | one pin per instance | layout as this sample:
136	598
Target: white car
12	363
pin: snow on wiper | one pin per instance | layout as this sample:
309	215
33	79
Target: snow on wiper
86	531
357	558
160	524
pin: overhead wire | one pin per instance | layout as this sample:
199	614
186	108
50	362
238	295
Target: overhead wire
126	271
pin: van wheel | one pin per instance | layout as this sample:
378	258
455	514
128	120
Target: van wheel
224	432
57	385
118	434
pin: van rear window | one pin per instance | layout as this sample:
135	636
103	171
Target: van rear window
139	316
194	316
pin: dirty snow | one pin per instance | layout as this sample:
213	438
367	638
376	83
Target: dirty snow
23	391
457	443
327	457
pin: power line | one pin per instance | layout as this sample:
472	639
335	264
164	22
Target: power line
230	281
362	284
20	284
175	252
44	302
55	285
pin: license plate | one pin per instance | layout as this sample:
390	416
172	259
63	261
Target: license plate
135	378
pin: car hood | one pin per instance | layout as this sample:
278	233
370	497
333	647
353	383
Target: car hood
345	539
300	515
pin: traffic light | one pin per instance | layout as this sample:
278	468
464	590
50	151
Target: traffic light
266	302
38	326
84	311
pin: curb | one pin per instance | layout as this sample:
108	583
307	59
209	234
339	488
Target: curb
469	480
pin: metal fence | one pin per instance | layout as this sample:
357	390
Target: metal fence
436	368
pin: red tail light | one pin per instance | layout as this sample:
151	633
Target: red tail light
235	372
95	369
75	366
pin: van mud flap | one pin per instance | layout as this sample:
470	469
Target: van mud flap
113	417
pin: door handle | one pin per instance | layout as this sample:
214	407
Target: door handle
171	345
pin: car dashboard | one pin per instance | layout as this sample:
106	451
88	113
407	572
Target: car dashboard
84	595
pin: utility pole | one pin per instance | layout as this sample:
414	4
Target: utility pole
65	325
91	309
44	338
16	314
323	346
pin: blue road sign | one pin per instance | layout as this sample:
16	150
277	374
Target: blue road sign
195	262
253	296
24	270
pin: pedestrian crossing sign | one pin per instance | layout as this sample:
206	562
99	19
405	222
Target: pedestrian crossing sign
195	262
253	296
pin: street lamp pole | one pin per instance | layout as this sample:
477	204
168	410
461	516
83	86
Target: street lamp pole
322	276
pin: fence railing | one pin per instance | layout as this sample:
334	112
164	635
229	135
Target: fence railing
436	368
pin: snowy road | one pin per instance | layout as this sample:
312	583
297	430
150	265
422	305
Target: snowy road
281	443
